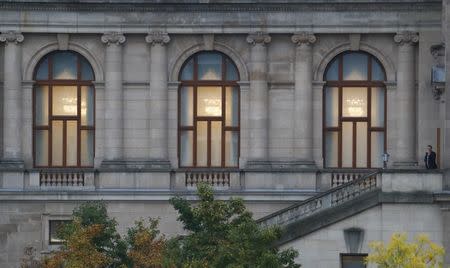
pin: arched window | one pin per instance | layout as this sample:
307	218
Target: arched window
354	118
63	111
208	112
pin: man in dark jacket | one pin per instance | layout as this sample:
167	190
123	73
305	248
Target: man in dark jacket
430	158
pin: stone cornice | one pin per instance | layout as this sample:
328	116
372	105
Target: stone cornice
258	38
113	38
11	37
406	37
157	37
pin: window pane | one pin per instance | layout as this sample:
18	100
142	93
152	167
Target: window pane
353	262
361	144
347	144
209	101
354	102
232	106
331	149
64	65
377	148
333	70
377	71
187	106
209	66
57	143
87	106
186	148
231	148
64	100
42	71
377	103
202	143
41	147
86	70
188	70
87	147
216	143
331	106
355	66
41	105
72	142
232	73
54	226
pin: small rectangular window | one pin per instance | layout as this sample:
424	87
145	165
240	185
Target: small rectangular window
54	226
353	260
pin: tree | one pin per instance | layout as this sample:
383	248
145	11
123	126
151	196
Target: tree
398	253
223	234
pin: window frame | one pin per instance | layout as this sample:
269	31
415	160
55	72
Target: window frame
64	221
340	84
195	83
50	83
342	255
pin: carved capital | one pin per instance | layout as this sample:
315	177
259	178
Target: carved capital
113	38
304	38
11	37
259	38
406	37
160	38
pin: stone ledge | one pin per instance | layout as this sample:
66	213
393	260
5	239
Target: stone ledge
280	166
151	165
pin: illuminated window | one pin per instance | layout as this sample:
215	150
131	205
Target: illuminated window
353	260
208	117
63	121
354	116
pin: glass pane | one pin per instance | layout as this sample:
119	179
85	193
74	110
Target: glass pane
331	106
377	148
354	102
86	70
209	66
64	65
57	143
232	106
216	143
331	149
377	71
202	143
355	66
209	101
377	103
72	142
54	226
353	262
186	148
231	148
188	70
232	72
41	105
87	106
187	106
41	147
333	70
87	147
42	71
64	100
361	144
347	144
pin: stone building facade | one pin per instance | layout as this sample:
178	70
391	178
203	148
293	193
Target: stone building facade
276	102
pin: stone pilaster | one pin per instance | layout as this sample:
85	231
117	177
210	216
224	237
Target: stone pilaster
113	143
158	111
405	146
12	100
258	99
303	97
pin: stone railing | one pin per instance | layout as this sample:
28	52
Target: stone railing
326	200
217	179
339	178
61	178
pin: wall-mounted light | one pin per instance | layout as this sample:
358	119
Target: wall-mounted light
385	159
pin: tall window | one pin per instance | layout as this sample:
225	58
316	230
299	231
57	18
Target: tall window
354	118
208	112
63	118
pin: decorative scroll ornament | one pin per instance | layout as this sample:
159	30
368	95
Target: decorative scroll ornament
259	38
406	37
113	38
304	38
11	36
157	37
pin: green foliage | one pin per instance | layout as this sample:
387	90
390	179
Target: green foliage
223	234
399	253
